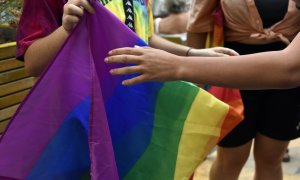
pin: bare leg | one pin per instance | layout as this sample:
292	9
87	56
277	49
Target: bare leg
268	155
229	162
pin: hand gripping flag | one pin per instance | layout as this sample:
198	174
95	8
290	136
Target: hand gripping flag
79	122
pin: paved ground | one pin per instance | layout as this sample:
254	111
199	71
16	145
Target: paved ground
291	169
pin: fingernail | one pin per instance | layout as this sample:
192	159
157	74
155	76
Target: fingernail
106	60
111	71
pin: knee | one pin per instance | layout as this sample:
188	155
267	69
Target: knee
268	159
230	161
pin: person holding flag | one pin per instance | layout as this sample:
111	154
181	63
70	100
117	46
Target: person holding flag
45	25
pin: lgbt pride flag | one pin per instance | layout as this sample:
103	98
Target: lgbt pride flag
79	122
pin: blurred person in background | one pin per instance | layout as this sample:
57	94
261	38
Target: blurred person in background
172	16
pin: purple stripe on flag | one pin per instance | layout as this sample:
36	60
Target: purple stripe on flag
121	36
103	165
65	84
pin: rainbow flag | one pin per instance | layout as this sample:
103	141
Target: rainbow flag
79	122
230	96
215	38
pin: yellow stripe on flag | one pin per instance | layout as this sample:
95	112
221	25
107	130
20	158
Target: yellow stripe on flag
200	133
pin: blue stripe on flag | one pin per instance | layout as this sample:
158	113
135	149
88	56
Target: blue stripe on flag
131	128
67	155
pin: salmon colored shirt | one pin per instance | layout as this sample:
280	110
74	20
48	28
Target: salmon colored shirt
243	23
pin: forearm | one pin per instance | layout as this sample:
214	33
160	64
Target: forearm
257	71
42	51
160	43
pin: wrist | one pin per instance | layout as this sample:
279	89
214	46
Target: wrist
188	51
64	31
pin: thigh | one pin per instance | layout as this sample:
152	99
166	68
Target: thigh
281	114
247	129
234	156
269	150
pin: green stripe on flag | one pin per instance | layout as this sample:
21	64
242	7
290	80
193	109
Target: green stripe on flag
159	160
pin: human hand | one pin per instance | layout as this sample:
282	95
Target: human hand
213	52
73	10
151	64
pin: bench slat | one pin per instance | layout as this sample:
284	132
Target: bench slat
13	99
13	75
10	88
7	50
3	125
7	113
9	64
14	83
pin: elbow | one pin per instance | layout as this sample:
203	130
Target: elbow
291	77
31	70
291	81
290	71
32	66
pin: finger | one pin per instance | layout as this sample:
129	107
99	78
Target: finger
142	47
126	50
220	55
126	70
233	53
229	52
72	9
146	47
87	6
124	59
217	54
135	80
71	19
83	3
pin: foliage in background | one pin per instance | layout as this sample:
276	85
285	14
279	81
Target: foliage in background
10	11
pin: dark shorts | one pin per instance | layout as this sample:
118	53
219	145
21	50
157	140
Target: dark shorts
273	113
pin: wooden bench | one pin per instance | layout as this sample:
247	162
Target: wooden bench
14	83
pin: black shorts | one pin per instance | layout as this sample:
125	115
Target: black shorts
273	113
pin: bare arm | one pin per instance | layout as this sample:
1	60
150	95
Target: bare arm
42	51
277	69
259	71
181	50
158	42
